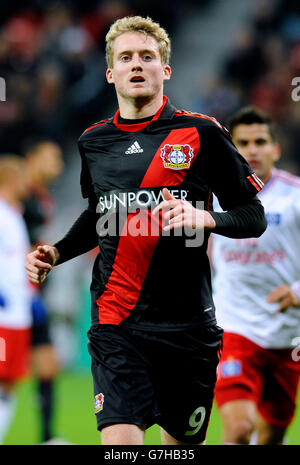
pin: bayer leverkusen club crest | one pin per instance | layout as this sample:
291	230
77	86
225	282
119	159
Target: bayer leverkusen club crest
98	402
177	157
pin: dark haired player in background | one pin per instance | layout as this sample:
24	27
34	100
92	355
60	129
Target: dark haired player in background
257	296
43	164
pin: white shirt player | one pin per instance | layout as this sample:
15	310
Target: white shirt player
15	294
247	270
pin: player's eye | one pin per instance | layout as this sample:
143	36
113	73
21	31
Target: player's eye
261	141
147	57
125	58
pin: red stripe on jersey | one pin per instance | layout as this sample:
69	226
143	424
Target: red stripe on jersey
157	174
138	126
95	125
259	181
134	253
257	187
130	268
130	127
209	197
199	115
287	177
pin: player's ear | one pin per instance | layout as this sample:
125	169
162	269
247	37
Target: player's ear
167	72
109	76
277	152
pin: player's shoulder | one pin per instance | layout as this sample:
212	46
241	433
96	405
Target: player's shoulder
6	210
200	119
97	128
10	218
287	179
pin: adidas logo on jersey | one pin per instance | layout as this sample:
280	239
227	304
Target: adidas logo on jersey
134	148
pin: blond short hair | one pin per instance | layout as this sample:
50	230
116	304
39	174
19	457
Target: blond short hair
138	24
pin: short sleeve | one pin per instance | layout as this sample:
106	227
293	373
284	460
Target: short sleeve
225	170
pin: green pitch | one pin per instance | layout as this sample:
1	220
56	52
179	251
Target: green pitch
75	420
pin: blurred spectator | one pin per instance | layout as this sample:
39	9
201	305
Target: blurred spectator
259	71
217	99
246	62
49	107
52	57
43	164
15	315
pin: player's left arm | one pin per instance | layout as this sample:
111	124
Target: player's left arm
233	182
230	178
246	220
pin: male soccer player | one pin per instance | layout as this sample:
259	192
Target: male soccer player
43	164
154	341
15	295
257	292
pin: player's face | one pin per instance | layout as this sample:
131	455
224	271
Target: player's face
50	161
21	184
137	72
255	144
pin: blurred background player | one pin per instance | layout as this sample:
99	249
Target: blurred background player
15	294
43	164
257	296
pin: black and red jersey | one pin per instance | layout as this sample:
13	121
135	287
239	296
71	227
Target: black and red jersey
145	279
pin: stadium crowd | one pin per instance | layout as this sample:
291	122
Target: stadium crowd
259	70
52	59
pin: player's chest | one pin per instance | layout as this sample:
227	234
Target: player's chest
142	159
279	212
13	240
281	232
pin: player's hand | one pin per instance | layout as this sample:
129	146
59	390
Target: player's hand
285	296
181	213
40	262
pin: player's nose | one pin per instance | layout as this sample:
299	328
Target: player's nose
252	149
136	63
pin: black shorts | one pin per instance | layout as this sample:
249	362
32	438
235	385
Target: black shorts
143	378
41	334
40	321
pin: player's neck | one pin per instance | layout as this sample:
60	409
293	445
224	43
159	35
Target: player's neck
34	177
139	108
266	177
9	197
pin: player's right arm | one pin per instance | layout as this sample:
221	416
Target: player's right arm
81	238
40	262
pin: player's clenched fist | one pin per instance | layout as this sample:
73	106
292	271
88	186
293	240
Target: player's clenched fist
40	262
